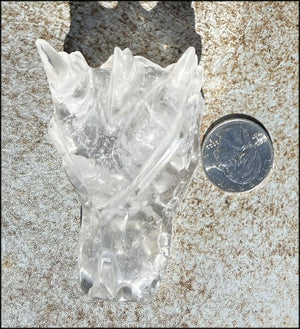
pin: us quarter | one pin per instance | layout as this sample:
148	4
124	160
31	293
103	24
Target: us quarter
237	153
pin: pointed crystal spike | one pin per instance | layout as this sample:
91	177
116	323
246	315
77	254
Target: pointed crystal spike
55	66
122	74
183	70
128	134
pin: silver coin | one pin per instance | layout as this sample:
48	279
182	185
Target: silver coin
237	153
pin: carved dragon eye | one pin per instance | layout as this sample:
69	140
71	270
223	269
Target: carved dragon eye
128	136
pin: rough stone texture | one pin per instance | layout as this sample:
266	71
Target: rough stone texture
234	258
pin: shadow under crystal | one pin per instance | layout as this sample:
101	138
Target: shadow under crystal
161	34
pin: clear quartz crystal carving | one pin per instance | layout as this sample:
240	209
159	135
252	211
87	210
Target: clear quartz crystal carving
128	134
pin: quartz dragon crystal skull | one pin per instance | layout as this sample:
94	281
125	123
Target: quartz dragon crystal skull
128	134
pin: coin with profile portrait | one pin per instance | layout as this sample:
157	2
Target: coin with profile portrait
237	153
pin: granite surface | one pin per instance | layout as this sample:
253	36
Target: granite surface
234	258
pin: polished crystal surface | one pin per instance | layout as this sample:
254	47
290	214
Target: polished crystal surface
128	134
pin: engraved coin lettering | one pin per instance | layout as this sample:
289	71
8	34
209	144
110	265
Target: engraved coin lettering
237	153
